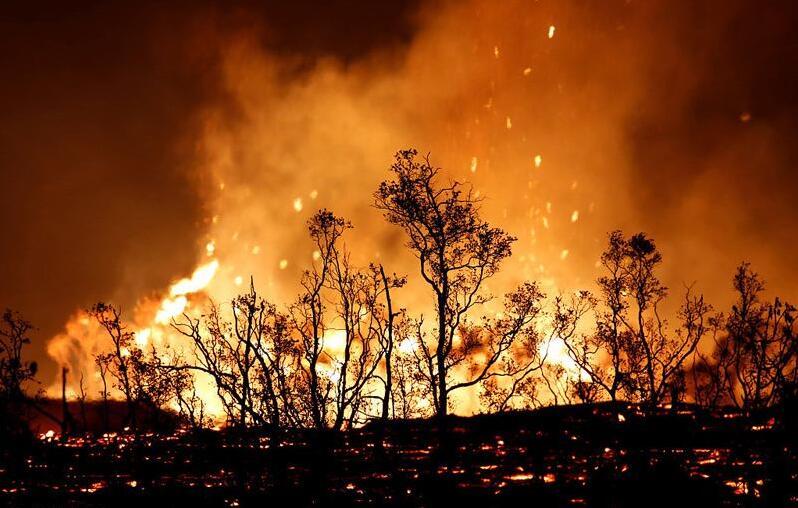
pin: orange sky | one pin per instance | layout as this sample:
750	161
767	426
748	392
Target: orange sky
128	129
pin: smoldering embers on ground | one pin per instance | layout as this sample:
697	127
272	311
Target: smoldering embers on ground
584	455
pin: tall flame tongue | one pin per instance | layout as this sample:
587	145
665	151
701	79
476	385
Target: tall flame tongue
83	338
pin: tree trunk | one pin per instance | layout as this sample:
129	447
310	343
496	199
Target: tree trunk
66	416
388	349
440	355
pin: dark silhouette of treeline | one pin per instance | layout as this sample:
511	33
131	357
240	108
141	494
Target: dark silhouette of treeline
274	370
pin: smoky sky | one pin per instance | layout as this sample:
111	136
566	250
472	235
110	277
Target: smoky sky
100	192
97	195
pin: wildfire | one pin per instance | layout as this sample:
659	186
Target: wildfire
177	302
83	338
242	223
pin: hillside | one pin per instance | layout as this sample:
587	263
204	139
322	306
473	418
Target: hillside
587	455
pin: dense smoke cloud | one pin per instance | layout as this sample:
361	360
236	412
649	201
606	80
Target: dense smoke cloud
646	117
101	185
151	134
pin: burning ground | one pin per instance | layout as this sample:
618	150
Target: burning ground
201	213
157	131
592	455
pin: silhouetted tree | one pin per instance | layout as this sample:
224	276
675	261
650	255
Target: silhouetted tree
153	381
385	319
645	357
759	353
752	362
408	393
341	299
82	395
709	372
190	406
248	356
456	249
533	377
15	373
119	359
354	295
14	370
308	311
102	362
191	409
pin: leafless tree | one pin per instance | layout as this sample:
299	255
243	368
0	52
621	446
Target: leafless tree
483	353
82	395
342	299
102	362
709	372
191	408
308	312
118	360
456	250
762	344
154	380
528	372
354	295
15	371
385	318
645	358
15	374
248	355
408	392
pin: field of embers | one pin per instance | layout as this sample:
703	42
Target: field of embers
589	455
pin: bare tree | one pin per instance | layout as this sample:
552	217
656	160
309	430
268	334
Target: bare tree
14	370
248	356
308	311
15	374
217	353
408	392
118	359
528	370
153	380
191	410
387	336
762	344
646	359
191	407
752	363
82	395
354	295
384	318
338	298
102	362
457	251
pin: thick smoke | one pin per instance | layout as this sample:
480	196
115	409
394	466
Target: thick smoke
642	116
571	119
